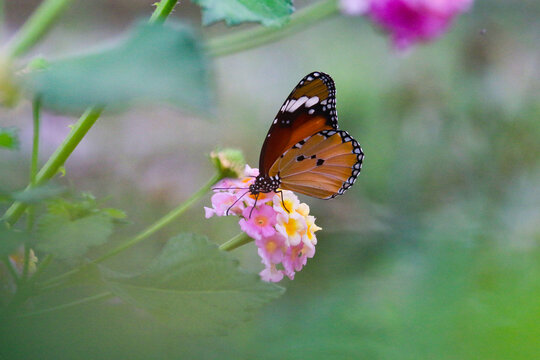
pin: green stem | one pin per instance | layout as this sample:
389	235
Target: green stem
165	220
158	225
85	300
36	105
57	159
36	26
77	133
163	9
244	40
236	242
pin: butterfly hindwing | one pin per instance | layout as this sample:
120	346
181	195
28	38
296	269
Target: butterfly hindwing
322	165
309	109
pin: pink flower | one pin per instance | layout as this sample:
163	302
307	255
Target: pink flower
296	257
283	230
221	202
271	274
409	21
271	249
251	172
258	222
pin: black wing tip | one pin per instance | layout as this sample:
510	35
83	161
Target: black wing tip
327	79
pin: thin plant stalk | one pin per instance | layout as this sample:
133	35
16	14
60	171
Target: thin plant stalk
261	35
80	129
57	159
163	10
39	23
36	105
236	242
156	226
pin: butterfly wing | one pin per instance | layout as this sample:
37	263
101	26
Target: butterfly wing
323	165
310	108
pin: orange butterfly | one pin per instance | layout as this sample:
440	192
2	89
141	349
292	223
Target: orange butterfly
304	151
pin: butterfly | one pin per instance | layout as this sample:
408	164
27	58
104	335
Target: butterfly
304	151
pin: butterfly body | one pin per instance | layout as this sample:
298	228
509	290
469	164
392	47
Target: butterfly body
304	151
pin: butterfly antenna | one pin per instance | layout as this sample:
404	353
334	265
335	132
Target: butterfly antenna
229	188
256	198
234	203
283	202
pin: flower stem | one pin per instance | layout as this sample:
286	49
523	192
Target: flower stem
247	39
57	159
36	26
163	9
162	222
236	242
36	105
159	224
85	300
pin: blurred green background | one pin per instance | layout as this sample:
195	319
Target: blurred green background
433	254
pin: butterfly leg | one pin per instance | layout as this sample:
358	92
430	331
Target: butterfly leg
256	198
282	201
234	203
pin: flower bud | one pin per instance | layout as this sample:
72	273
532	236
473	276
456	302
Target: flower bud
229	163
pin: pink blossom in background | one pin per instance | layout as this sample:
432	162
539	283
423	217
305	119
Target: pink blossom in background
282	228
409	21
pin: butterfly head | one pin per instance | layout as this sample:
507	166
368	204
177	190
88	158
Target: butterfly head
264	184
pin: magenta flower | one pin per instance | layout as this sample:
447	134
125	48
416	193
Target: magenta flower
258	222
285	237
409	21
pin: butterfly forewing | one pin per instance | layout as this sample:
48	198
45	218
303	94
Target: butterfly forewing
309	109
323	165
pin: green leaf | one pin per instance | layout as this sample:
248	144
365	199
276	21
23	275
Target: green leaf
65	238
196	287
115	213
234	12
70	227
37	194
155	63
9	138
10	240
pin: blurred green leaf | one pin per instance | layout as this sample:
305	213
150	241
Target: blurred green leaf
34	195
10	240
70	227
67	238
195	287
234	12
115	213
155	63
9	138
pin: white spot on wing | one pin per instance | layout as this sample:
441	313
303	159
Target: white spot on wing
289	104
297	104
312	101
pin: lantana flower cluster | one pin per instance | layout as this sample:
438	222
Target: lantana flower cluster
282	228
409	21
